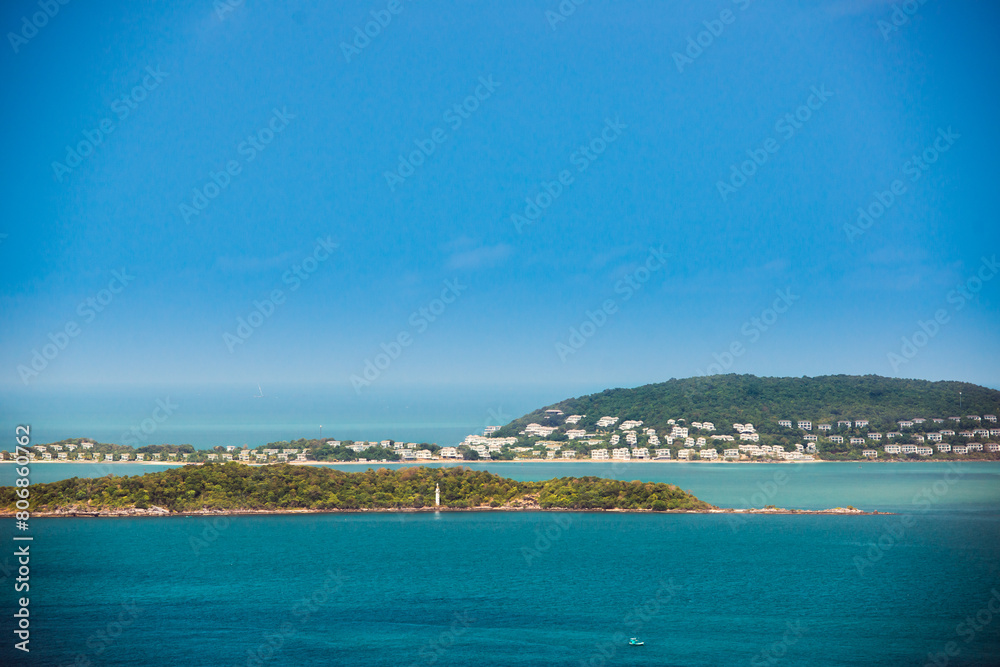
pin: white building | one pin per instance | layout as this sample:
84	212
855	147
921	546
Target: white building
538	430
869	453
601	454
805	426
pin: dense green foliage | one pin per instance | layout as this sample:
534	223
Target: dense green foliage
725	399
232	486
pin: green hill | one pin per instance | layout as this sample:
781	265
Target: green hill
725	399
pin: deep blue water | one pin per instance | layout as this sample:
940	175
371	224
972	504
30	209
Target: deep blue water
491	589
538	588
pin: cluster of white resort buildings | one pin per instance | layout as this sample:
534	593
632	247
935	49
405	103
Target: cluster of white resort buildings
616	441
698	439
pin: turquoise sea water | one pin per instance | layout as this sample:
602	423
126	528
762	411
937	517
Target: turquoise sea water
539	588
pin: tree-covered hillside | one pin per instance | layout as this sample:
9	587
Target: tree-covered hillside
725	399
236	487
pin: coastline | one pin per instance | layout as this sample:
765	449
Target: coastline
424	462
159	512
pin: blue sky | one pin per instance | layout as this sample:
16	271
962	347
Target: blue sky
329	126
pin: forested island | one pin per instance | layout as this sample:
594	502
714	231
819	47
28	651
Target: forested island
236	488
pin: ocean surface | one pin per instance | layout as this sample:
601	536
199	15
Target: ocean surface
540	588
236	415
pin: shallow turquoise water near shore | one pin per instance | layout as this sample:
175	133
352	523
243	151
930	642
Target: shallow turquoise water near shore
886	487
539	588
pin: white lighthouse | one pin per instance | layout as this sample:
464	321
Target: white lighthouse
437	495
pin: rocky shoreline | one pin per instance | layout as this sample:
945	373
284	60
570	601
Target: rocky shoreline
154	511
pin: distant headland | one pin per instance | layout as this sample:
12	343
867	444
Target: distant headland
734	418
